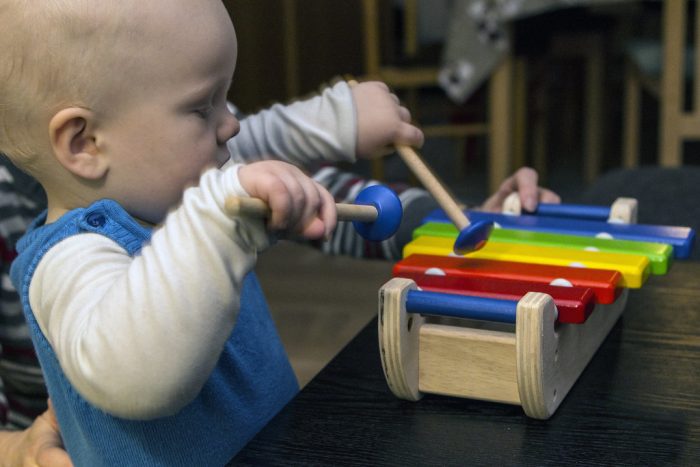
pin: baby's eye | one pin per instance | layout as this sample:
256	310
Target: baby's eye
204	112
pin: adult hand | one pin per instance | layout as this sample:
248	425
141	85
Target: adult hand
524	182
40	445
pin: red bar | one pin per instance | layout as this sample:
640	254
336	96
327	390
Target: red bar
574	304
603	283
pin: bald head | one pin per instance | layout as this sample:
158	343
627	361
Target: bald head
85	53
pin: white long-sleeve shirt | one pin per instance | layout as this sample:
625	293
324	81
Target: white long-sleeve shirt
321	129
144	352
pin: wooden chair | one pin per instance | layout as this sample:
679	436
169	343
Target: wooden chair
411	78
588	47
663	69
572	41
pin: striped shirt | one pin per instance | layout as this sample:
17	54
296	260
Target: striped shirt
23	394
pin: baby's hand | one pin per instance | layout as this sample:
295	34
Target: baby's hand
299	205
524	182
382	121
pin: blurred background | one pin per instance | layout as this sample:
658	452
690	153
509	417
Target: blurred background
568	68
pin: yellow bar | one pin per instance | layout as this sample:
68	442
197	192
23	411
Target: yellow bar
633	268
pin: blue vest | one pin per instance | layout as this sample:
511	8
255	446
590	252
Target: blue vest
251	382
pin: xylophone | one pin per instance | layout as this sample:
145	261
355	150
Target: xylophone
518	320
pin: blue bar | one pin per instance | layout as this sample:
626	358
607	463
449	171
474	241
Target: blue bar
576	211
461	306
680	238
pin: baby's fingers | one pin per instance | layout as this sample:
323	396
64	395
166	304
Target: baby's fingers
322	220
409	135
286	203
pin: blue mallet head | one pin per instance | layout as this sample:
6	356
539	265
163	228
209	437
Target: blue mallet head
473	237
389	213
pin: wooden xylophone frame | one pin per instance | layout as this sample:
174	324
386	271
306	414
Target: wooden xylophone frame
534	367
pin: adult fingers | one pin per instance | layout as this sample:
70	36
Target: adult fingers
548	196
526	185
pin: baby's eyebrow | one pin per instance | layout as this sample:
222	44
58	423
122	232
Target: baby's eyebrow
207	90
199	94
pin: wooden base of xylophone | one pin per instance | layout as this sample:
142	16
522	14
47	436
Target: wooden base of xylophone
534	367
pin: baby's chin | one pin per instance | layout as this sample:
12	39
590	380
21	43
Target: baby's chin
156	215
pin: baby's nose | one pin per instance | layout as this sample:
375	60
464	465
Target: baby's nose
229	127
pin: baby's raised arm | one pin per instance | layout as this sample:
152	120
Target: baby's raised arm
340	124
139	335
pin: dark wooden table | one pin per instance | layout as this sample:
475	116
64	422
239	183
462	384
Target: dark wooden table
637	403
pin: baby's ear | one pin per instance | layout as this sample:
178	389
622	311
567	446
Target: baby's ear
73	143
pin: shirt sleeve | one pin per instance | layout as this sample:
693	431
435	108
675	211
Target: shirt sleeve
139	336
320	129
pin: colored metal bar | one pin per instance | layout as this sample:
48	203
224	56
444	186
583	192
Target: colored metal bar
605	284
577	211
634	269
660	255
680	238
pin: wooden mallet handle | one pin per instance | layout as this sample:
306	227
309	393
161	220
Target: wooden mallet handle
256	207
433	185
471	236
376	214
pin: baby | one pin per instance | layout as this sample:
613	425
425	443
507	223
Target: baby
156	344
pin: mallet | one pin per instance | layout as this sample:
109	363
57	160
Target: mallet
472	236
376	213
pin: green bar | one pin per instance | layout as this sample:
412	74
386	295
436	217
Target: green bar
659	254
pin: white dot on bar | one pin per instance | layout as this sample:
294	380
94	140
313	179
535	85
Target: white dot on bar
435	272
561	282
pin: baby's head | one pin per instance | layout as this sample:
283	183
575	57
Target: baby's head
115	99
